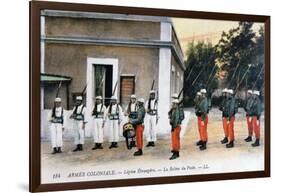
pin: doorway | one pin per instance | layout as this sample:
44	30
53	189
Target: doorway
103	82
102	73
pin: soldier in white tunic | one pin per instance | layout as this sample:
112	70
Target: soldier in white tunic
151	109
114	115
78	114
56	126
98	114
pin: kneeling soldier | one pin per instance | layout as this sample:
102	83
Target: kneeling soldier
78	114
57	126
138	123
175	122
99	120
255	112
114	114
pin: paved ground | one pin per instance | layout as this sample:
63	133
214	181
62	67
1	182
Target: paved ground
120	163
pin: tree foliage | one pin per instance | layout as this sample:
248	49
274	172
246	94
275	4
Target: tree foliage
200	68
239	56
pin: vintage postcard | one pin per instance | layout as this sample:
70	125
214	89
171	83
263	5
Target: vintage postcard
128	96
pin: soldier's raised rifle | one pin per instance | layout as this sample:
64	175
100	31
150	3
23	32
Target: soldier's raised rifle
57	94
254	85
244	75
58	89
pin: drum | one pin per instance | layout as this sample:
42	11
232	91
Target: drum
129	130
129	133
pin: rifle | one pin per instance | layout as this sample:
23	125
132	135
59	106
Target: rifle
258	77
116	83
115	86
244	75
152	86
84	90
58	89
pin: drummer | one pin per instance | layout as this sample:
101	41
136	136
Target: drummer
138	123
131	112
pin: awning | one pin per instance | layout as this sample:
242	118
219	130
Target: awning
53	78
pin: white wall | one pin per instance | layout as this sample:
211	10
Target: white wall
14	81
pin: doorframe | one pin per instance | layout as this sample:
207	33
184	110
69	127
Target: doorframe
90	66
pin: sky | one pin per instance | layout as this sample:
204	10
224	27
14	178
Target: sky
203	29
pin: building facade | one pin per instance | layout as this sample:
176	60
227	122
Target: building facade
99	52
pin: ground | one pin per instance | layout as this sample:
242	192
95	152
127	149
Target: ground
120	163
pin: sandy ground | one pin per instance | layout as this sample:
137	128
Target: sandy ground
121	164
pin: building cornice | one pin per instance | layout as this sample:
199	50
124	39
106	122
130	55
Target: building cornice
110	16
116	42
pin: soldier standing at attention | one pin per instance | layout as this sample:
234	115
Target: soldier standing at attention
224	117
138	124
114	114
99	114
151	109
57	126
202	112
255	112
247	108
230	116
132	114
180	106
175	123
78	114
198	115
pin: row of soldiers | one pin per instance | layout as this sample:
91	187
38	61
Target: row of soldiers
228	107
136	112
112	115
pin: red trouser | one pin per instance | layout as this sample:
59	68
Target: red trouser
230	128
175	137
250	127
224	124
139	136
256	126
202	125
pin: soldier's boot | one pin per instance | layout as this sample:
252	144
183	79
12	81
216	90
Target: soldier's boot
115	144
248	139
199	143
257	143
224	141
54	150
203	146
133	144
59	150
96	146
80	147
178	154
148	144
100	146
77	148
174	156
138	153
112	145
172	151
152	144
230	144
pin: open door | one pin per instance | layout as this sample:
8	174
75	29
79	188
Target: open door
103	82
